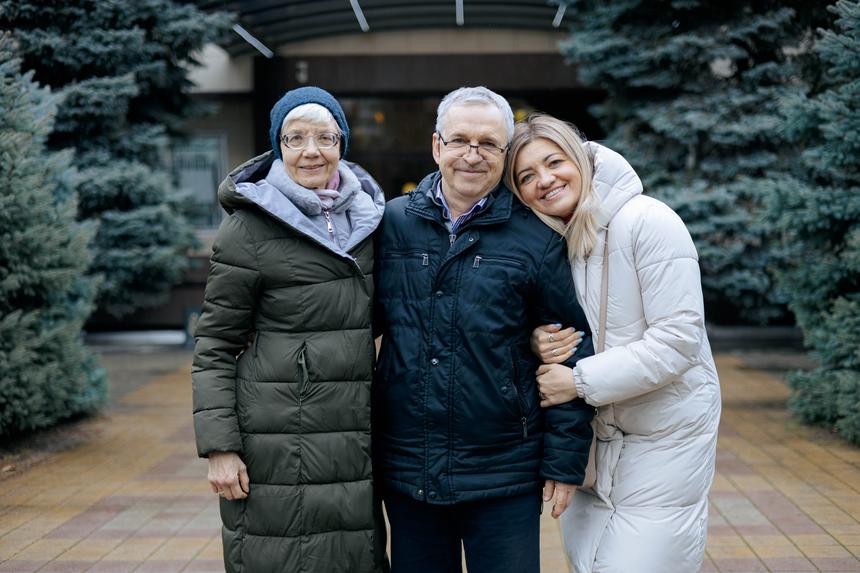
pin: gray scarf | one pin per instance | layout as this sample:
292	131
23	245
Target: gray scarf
306	200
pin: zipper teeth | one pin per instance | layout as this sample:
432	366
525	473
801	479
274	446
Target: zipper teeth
523	419
303	366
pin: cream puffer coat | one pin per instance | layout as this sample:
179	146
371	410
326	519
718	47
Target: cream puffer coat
655	387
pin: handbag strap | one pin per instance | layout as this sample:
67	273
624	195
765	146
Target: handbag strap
604	295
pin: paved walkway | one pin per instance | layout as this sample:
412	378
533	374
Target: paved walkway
134	498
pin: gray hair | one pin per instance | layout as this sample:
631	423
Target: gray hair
312	113
479	95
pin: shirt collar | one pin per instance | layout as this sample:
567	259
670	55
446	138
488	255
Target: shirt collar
440	197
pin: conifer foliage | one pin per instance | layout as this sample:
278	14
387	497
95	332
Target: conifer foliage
121	68
692	101
46	374
818	210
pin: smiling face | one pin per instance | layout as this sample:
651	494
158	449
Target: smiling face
469	175
548	180
311	166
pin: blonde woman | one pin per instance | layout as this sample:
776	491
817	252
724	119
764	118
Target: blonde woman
654	381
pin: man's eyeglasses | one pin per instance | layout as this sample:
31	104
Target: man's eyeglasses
300	141
484	148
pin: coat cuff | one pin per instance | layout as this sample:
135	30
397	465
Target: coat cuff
577	381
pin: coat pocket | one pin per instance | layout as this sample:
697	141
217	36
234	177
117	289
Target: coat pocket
304	374
519	393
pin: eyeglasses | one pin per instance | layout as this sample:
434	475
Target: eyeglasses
485	148
300	141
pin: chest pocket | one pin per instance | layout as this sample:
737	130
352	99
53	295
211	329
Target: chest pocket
404	275
494	287
497	268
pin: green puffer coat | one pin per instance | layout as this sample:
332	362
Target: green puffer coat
295	404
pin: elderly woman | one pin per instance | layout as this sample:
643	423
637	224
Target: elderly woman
653	378
284	354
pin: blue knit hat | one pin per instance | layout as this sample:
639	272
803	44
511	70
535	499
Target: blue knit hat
300	96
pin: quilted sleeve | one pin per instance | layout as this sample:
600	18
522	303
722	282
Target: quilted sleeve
567	427
226	319
667	268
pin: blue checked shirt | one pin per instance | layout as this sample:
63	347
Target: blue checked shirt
454	225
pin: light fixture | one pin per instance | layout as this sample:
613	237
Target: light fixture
359	15
556	22
248	37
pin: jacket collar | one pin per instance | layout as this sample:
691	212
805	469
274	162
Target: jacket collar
246	185
423	204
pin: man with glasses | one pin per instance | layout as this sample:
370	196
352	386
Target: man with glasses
464	273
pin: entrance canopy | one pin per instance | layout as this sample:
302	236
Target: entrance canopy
277	22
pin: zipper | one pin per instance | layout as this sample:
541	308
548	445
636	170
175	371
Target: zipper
451	238
503	261
523	419
303	368
328	223
498	260
425	259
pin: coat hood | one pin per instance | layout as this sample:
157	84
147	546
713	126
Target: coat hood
615	181
241	189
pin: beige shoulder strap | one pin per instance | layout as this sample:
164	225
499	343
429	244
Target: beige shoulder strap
591	468
604	295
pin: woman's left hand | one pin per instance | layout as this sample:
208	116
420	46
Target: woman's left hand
555	384
561	495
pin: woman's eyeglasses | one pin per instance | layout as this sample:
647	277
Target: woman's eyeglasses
300	141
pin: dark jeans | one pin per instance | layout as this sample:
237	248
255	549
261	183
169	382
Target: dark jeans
498	535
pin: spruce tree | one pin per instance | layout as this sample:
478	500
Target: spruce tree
692	101
46	373
817	208
121	68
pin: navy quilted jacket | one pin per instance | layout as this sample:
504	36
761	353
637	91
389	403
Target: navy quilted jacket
456	409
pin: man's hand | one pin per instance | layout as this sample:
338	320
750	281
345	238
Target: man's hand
561	495
555	384
228	476
554	345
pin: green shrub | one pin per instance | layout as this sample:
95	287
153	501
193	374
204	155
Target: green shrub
816	207
122	68
693	90
46	373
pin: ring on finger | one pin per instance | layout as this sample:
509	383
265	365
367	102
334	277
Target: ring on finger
555	351
551	338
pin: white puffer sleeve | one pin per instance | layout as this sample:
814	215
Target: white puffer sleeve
667	268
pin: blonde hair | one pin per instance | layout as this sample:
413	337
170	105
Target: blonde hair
580	232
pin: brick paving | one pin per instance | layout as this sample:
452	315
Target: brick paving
134	498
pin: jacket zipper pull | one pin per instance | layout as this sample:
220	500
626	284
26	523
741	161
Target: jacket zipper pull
525	423
327	216
425	259
477	262
451	238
